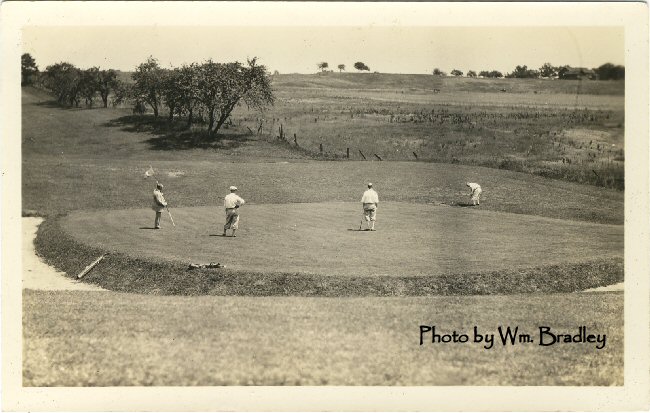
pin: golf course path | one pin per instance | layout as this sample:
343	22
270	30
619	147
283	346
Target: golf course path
606	288
36	274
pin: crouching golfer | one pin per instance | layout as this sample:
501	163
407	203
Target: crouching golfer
475	192
232	202
159	204
370	201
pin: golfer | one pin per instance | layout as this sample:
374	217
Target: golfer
232	202
370	201
475	192
159	204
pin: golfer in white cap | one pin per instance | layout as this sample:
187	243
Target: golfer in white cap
475	193
370	201
232	202
159	204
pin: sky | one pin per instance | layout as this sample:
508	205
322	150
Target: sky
295	49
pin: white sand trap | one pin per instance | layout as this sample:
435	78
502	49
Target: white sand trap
36	274
606	288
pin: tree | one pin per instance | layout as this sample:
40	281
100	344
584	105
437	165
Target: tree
224	86
438	72
89	85
28	69
64	80
608	71
548	70
107	82
456	72
522	72
322	66
471	73
170	92
562	70
122	93
341	67
187	84
148	84
495	74
361	66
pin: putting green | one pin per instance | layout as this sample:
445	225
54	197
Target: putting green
323	238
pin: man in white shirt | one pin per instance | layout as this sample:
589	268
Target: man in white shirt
370	201
232	202
475	192
159	204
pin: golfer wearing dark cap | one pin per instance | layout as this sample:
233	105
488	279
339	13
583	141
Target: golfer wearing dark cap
159	204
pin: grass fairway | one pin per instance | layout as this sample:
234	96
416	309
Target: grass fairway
112	339
323	238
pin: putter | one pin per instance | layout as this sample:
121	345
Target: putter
170	216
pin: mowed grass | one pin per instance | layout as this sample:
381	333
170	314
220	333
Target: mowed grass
124	272
323	238
111	339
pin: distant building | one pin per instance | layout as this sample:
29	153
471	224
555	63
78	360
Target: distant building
578	73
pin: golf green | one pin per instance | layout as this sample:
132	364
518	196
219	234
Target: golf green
323	238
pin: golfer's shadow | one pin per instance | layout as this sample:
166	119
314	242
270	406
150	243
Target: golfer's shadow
147	228
464	204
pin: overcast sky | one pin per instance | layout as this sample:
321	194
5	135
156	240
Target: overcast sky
387	49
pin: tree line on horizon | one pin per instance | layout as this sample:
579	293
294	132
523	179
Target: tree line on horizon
360	66
607	71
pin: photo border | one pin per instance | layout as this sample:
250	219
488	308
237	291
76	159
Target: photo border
634	395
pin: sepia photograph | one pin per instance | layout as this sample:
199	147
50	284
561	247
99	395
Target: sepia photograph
348	196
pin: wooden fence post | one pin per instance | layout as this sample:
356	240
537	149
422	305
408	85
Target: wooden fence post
362	155
348	153
416	156
321	148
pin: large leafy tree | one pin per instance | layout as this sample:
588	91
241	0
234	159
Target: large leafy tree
608	71
224	86
148	86
361	66
523	72
170	92
64	80
188	90
107	82
28	69
322	66
548	70
89	84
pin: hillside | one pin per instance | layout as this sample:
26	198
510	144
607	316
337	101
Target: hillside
413	82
